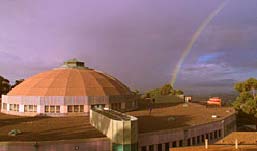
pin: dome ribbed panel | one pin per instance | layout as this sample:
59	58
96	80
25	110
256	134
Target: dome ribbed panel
70	82
58	84
92	86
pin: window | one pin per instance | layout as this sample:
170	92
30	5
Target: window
174	144
30	108
14	107
167	146
4	106
143	148
57	109
193	141
211	136
198	139
116	106
113	106
47	109
215	134
180	143
151	148
133	103
11	107
75	108
189	142
70	108
159	147
52	109
219	135
207	136
202	138
81	108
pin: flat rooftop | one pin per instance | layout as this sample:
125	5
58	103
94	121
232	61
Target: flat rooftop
216	148
114	114
247	141
243	138
177	115
47	128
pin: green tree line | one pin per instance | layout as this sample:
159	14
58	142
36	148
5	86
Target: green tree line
247	101
166	89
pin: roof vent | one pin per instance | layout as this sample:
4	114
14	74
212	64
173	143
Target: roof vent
214	116
73	63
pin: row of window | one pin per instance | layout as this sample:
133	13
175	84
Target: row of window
52	109
48	108
30	108
191	141
14	107
75	108
116	106
200	139
160	146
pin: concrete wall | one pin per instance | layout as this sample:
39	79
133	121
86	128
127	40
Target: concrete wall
226	125
63	102
99	144
122	133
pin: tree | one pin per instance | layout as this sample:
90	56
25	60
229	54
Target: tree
17	82
166	89
239	87
247	101
4	86
179	92
154	93
251	85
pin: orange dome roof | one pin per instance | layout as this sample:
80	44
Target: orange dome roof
70	82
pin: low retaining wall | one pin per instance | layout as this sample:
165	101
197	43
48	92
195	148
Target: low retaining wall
97	144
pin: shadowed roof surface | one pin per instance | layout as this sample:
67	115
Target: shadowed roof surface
242	137
217	148
177	116
247	141
70	82
47	128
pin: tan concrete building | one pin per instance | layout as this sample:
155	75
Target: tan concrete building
71	89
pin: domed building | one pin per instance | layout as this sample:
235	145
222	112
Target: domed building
69	90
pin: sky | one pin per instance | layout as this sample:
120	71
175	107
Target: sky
138	42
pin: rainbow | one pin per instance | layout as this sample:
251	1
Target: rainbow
196	35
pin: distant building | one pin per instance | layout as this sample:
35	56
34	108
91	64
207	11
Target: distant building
188	99
214	101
